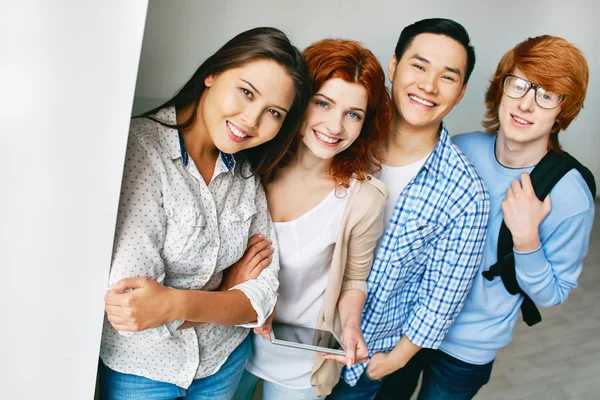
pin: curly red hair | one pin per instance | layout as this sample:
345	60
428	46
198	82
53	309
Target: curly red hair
350	61
551	62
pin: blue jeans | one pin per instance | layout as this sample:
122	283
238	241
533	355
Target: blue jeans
271	391
221	385
365	389
444	378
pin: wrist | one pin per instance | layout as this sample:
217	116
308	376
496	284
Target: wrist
351	324
527	243
397	359
175	302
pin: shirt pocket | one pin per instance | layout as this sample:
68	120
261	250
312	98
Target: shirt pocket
234	229
186	235
411	246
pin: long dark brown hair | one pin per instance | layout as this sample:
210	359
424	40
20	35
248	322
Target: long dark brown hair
253	45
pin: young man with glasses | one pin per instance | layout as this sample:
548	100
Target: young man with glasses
537	90
437	213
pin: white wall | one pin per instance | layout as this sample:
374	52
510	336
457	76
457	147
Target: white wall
179	36
67	76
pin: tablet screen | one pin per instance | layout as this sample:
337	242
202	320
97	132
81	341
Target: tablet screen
305	336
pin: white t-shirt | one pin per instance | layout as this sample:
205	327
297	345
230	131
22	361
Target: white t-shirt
306	247
396	179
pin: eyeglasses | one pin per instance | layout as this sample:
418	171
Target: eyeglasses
515	88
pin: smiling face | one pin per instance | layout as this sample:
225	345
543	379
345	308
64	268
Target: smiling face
334	117
523	122
427	82
245	107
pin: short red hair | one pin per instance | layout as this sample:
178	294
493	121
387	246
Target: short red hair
350	61
551	62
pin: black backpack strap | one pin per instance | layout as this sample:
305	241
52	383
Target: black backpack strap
544	176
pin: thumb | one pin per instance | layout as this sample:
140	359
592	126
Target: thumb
547	204
127	284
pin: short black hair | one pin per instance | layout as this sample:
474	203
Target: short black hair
438	26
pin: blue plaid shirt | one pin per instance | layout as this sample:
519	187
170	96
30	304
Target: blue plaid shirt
429	255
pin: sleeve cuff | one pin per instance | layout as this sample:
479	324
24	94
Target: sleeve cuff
355	284
425	329
261	303
531	261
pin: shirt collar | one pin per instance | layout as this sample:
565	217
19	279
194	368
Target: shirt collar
440	153
172	142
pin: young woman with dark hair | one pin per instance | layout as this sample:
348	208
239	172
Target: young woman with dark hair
187	210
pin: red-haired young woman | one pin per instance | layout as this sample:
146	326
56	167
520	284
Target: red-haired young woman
327	212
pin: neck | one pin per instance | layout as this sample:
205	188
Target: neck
519	155
198	142
407	144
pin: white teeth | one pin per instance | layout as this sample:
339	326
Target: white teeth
326	139
235	130
421	101
520	120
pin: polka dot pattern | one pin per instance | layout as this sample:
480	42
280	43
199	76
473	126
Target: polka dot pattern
174	228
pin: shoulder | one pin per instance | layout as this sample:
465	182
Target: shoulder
144	132
463	184
571	195
472	139
368	191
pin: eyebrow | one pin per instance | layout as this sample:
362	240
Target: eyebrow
333	101
260	94
426	61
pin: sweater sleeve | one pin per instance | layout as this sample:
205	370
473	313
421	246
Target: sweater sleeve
548	273
362	242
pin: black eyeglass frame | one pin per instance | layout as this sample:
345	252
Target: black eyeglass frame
531	86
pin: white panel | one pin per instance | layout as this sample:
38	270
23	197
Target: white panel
67	79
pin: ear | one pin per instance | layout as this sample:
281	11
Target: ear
392	68
208	81
462	93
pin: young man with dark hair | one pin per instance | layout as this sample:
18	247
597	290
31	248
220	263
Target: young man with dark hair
537	90
437	213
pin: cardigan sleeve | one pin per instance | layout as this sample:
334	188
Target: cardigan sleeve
364	236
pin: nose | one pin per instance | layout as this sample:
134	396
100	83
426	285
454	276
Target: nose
428	83
526	103
334	124
251	117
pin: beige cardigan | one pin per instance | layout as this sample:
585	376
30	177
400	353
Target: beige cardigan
362	226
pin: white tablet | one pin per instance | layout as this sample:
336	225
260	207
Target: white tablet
305	338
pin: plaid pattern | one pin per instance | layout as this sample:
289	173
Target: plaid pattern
429	255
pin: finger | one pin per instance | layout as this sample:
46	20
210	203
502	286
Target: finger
261	261
256	248
362	353
123	327
259	257
115	311
114	319
350	352
338	359
516	186
526	183
254	239
117	299
509	193
128	284
547	204
261	266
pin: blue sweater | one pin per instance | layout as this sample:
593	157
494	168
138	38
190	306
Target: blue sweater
547	274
